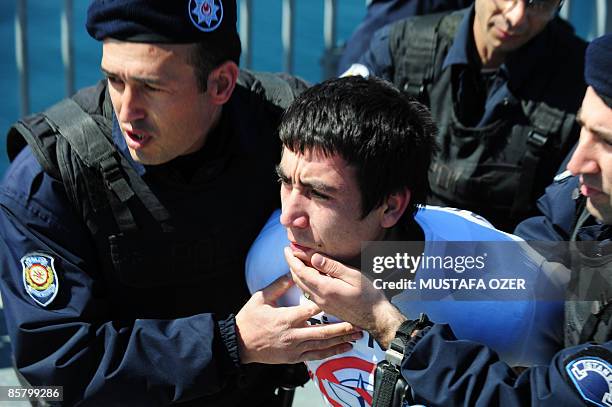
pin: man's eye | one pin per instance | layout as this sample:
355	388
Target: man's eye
114	80
152	88
319	195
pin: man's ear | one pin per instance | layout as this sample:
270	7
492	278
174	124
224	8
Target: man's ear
221	82
394	207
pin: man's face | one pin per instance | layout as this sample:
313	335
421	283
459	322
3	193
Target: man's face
321	207
592	159
504	26
161	111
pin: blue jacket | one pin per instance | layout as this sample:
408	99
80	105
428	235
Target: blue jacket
383	12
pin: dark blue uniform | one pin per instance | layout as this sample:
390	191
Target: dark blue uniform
444	371
383	12
147	336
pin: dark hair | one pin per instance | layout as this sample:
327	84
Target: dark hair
206	56
386	135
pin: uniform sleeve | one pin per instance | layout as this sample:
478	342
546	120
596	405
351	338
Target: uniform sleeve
558	210
444	371
377	58
74	341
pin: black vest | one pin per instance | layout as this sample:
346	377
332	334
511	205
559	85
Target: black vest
588	309
501	169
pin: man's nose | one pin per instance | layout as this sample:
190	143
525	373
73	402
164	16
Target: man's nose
131	105
583	160
517	14
293	210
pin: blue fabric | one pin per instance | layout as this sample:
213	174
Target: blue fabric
444	371
161	21
383	12
76	341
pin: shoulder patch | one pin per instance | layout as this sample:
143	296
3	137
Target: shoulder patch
39	277
592	377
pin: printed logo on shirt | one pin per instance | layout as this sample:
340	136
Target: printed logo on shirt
206	15
346	381
39	277
592	377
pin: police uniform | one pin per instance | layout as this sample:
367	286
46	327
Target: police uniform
503	133
580	374
120	281
383	12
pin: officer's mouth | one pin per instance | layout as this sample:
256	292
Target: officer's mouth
136	140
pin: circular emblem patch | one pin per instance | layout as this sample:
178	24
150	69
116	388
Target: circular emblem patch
206	15
39	277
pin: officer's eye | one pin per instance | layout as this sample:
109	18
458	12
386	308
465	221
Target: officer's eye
151	88
318	195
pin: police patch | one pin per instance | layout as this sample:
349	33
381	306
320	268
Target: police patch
592	376
39	277
206	15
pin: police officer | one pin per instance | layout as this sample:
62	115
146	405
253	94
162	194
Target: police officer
127	212
383	12
439	370
503	80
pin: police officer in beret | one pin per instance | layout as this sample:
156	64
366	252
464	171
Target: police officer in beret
127	213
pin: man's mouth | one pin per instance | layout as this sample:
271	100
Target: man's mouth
589	191
298	247
136	139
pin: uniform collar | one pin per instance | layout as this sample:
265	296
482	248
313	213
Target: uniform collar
458	53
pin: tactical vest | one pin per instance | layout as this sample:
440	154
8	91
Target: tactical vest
166	251
498	170
588	309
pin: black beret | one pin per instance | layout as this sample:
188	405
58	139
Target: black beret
598	67
162	21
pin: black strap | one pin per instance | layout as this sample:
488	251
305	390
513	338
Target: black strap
545	121
385	389
417	42
95	150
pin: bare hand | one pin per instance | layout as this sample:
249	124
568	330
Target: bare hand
271	334
345	293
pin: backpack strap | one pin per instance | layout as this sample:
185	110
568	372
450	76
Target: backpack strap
545	121
417	47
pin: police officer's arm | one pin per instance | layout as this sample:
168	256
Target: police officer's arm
271	334
74	341
445	371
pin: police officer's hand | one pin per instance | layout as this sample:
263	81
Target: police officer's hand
271	334
345	293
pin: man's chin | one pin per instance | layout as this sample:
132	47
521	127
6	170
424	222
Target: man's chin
602	211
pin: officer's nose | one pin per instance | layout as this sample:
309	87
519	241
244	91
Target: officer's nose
294	214
584	159
132	108
516	15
